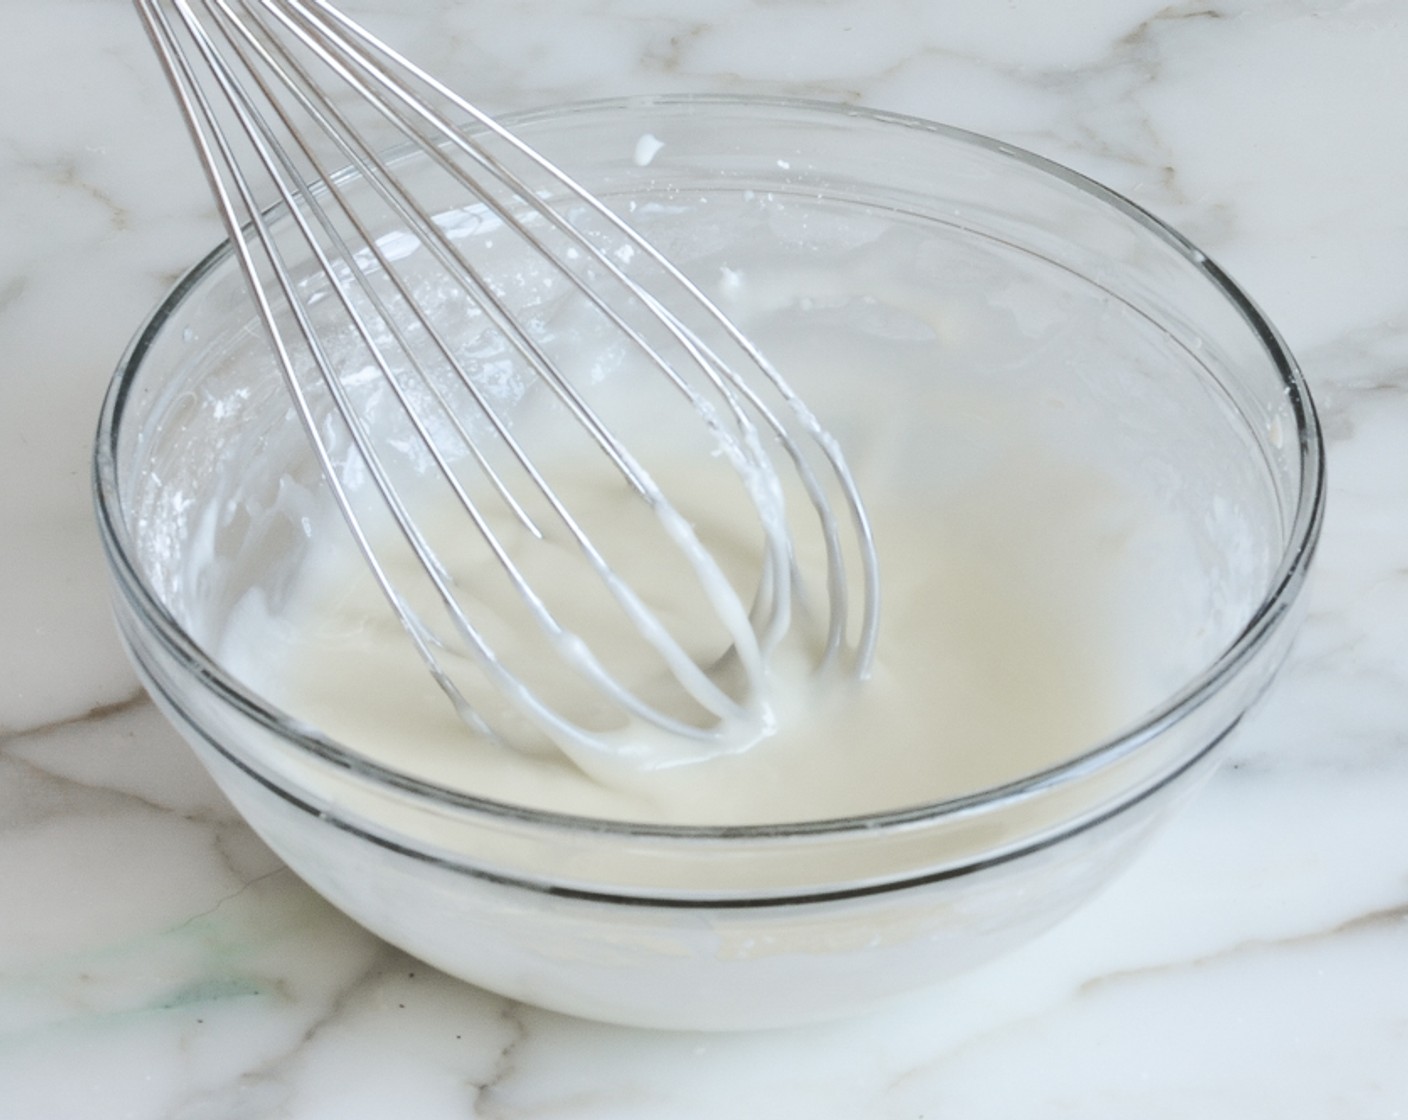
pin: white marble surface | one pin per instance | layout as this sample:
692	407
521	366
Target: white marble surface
157	962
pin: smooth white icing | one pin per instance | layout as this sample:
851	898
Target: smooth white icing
1038	596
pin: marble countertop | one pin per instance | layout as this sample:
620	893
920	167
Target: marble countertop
156	961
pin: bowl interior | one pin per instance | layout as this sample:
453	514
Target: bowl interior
981	303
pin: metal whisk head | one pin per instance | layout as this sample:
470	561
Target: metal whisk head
462	317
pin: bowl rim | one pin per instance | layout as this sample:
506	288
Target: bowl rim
1284	586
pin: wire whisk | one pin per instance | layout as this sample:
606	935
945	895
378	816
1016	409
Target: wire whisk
453	313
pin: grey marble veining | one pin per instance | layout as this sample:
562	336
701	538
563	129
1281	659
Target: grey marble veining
156	961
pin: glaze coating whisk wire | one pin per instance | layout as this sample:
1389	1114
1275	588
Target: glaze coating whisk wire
411	352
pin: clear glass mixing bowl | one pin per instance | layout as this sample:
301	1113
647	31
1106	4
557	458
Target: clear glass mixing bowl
1119	335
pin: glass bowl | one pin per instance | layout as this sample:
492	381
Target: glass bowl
1097	328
